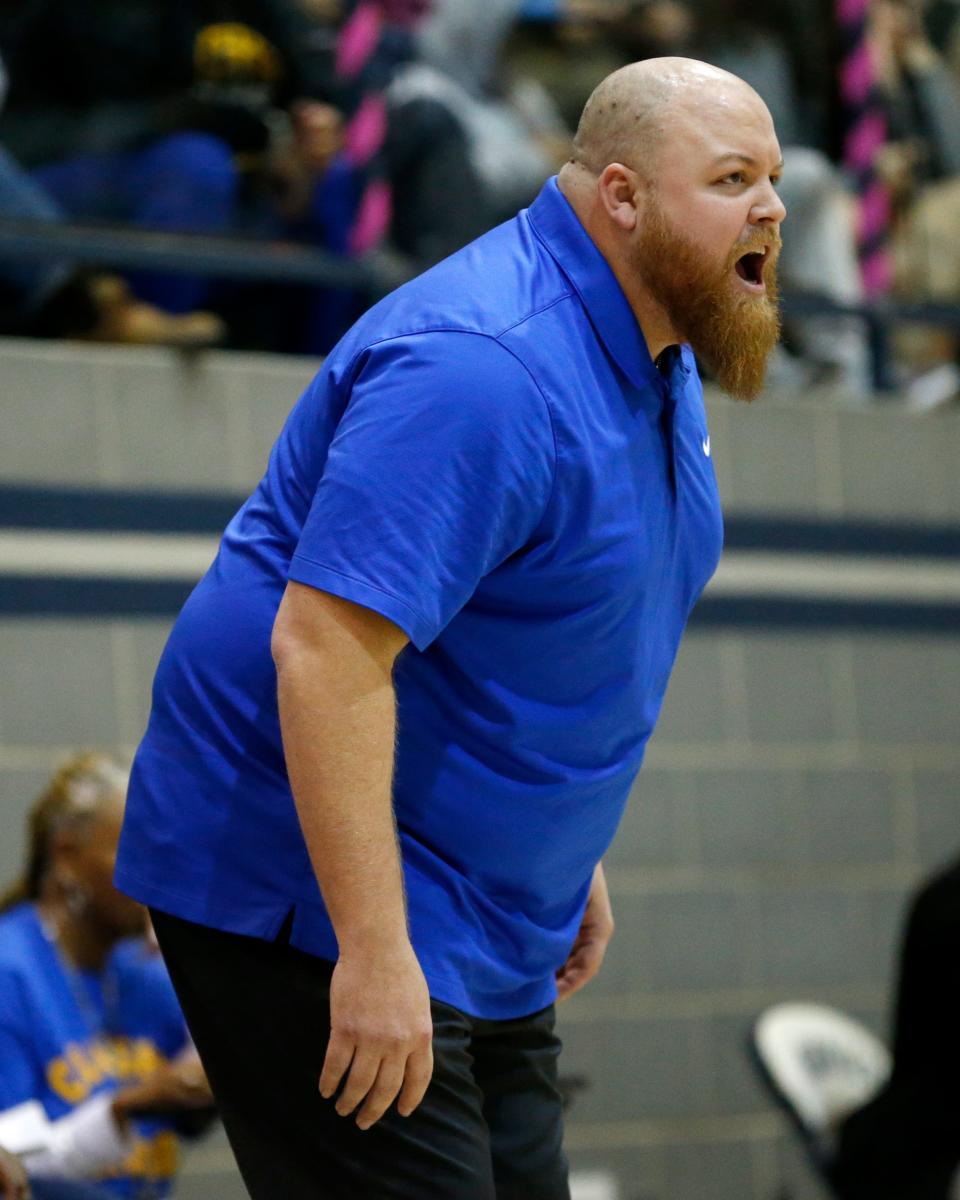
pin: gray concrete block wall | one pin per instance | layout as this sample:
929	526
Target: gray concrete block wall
798	785
814	459
142	418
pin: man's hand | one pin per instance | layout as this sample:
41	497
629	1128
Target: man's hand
13	1178
596	930
381	1034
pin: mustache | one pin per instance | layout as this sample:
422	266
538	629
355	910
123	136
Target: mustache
770	243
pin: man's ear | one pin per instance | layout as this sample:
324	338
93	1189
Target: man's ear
621	194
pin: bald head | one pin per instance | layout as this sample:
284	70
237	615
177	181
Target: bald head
632	111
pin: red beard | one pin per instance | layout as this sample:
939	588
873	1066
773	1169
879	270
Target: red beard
731	331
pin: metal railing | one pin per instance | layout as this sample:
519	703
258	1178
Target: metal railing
123	248
879	317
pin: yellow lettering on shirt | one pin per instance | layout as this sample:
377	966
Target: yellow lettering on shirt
64	1083
122	1058
81	1069
81	1059
104	1059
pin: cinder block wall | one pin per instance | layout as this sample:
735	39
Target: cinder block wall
799	785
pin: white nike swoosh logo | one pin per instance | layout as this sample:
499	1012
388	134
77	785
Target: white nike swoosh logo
706	445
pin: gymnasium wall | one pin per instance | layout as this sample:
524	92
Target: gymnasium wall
806	772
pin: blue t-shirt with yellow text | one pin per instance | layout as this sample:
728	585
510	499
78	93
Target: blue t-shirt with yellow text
67	1035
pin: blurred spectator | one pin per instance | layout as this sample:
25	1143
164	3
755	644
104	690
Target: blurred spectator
96	1071
921	162
358	46
204	117
905	1143
401	130
57	300
920	97
504	134
516	134
770	51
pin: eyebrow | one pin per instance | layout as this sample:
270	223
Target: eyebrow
737	156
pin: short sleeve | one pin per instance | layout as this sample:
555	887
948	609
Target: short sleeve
441	467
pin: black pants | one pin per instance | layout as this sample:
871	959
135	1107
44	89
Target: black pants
489	1127
905	1144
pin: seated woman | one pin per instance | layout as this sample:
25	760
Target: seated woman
97	1074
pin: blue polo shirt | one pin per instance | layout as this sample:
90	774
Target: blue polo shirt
491	460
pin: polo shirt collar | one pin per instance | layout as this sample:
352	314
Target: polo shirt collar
589	272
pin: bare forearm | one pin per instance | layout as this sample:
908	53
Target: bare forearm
338	740
337	716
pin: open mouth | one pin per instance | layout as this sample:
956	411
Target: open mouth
750	266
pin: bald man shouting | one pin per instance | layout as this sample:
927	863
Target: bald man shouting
396	724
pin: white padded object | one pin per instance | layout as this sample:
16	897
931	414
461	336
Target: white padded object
823	1063
83	1144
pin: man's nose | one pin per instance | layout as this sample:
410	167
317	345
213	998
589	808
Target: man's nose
768	208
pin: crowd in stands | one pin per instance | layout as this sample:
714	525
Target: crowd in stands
407	127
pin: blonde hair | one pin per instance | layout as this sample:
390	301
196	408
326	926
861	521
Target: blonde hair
72	799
